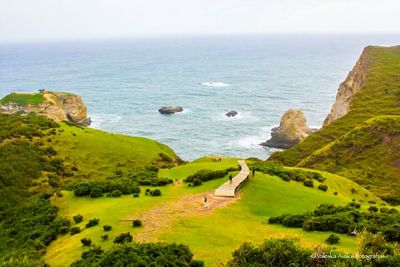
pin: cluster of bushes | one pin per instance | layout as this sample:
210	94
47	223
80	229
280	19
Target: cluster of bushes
120	184
97	188
345	219
306	177
146	254
286	252
153	193
123	238
92	222
201	176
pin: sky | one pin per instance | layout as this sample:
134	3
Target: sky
36	20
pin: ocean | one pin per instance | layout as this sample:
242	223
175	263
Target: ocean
125	82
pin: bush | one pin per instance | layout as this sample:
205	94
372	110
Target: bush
323	187
373	209
135	195
86	242
196	263
136	223
136	190
104	237
123	238
197	182
156	193
332	239
92	222
107	227
96	192
78	218
74	230
207	175
82	189
308	183
116	193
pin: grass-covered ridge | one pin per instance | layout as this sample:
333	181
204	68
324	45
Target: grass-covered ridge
380	95
365	156
23	99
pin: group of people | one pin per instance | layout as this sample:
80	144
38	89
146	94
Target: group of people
217	159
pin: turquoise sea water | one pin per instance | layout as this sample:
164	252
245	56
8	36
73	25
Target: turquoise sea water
124	82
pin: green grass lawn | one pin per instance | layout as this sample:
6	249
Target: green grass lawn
211	237
98	154
23	99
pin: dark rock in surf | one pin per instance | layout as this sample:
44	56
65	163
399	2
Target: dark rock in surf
231	113
170	110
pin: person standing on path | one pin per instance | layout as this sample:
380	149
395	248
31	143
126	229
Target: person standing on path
230	178
205	202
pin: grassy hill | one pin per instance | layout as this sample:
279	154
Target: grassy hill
379	96
38	156
178	216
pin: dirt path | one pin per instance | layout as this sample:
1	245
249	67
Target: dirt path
165	215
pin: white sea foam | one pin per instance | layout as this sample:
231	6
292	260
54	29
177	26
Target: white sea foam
243	117
99	119
215	84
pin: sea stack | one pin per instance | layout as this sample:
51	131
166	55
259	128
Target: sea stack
291	131
170	110
57	106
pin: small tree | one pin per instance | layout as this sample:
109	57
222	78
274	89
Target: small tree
92	222
116	193
104	237
308	183
78	218
332	239
136	223
86	242
107	228
323	187
123	238
156	193
74	230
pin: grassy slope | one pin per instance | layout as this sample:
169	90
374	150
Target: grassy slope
212	237
379	96
99	154
366	154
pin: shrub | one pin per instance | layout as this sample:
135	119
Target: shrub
332	239
92	222
323	187
196	263
104	237
107	227
82	189
96	192
136	223
78	218
308	183
136	190
197	182
135	195
373	209
355	205
123	238
156	193
74	230
86	242
116	193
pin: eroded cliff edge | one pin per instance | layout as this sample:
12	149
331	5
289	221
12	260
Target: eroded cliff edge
347	90
58	106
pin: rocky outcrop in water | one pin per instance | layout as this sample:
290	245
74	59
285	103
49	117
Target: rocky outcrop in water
170	110
57	106
291	131
347	89
232	113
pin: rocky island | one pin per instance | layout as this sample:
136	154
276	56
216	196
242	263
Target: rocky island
57	106
170	110
291	131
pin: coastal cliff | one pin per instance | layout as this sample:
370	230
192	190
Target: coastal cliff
347	89
57	106
291	131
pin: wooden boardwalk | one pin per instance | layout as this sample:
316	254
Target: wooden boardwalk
229	189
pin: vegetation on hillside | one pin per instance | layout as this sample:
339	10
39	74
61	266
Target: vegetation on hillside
379	96
23	99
